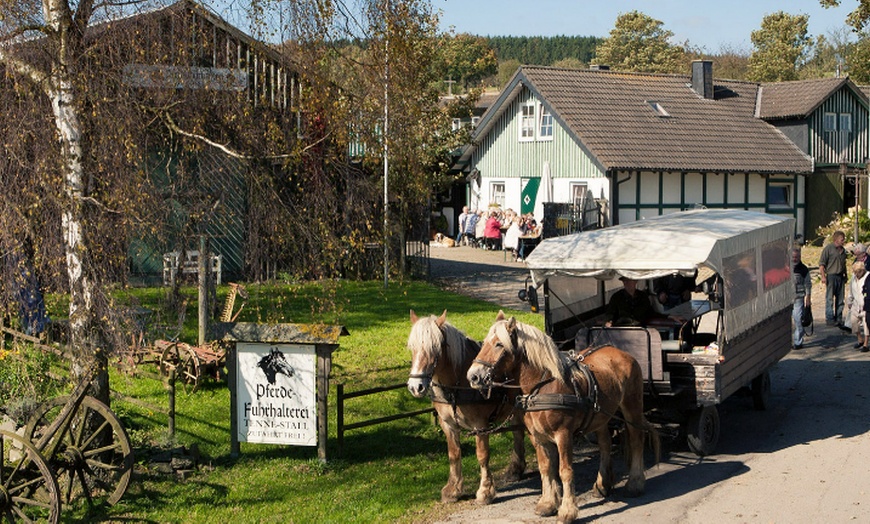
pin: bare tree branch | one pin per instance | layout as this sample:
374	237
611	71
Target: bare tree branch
170	123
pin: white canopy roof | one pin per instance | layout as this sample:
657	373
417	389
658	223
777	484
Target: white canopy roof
658	246
748	249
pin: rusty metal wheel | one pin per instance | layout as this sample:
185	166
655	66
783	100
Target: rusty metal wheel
28	488
94	458
184	360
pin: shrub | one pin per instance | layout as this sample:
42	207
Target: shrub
846	224
25	379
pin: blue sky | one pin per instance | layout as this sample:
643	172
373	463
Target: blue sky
707	24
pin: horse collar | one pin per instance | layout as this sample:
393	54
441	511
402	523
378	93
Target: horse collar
587	403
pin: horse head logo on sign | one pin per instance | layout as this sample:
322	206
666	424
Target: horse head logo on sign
273	364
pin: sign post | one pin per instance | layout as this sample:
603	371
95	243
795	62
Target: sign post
279	382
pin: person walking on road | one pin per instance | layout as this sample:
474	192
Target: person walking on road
803	290
460	231
832	269
855	303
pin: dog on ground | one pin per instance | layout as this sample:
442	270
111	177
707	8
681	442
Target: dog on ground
442	241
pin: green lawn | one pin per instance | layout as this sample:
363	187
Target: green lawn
391	472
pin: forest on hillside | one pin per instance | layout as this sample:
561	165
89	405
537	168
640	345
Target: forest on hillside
543	50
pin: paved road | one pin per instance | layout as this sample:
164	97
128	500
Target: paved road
804	460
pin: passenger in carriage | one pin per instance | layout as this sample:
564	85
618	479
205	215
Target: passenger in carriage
631	306
674	290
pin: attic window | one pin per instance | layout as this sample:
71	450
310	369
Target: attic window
658	108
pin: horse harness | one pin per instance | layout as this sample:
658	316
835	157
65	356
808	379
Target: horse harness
457	396
586	402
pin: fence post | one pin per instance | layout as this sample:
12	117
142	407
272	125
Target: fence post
339	394
170	386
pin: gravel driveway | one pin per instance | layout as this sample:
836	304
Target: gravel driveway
488	275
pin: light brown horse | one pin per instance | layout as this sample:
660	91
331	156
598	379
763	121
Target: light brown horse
440	356
561	398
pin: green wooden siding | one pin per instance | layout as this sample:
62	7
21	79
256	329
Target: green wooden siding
832	148
204	193
502	155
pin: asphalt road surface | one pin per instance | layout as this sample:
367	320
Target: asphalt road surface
806	459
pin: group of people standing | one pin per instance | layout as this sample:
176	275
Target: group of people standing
846	313
495	229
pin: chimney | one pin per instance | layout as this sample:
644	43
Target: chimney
702	78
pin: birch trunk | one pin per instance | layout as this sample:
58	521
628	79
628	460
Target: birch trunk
60	89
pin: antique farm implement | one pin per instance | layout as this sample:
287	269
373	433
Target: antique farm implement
191	363
72	447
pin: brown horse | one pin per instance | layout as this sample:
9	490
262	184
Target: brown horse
440	356
563	396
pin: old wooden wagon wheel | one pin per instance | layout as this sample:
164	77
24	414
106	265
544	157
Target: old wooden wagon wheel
28	489
94	457
184	360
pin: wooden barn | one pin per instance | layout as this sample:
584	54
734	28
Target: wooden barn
186	54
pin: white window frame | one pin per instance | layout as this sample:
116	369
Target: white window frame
457	124
578	190
829	122
545	123
474	121
527	122
845	122
497	193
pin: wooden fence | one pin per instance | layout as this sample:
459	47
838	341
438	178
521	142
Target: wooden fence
342	397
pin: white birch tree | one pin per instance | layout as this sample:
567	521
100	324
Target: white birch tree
61	27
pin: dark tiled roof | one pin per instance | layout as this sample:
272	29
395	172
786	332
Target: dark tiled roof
487	99
610	114
798	99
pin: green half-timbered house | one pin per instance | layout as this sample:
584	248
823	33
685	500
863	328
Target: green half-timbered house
828	120
650	144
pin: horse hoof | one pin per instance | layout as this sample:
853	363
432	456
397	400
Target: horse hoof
634	490
485	497
599	492
513	473
545	510
450	496
483	500
567	515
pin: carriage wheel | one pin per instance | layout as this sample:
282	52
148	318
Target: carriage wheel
94	457
761	391
702	430
28	489
183	359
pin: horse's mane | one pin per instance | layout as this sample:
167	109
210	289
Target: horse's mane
539	349
427	336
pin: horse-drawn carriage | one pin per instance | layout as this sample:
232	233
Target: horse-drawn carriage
738	322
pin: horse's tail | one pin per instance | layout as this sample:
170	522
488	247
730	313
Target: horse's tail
654	439
651	435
